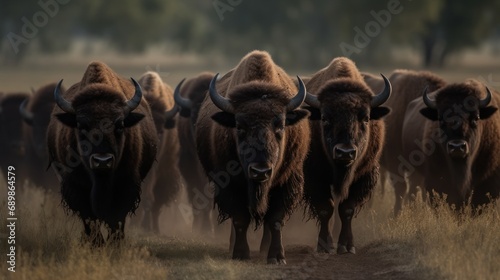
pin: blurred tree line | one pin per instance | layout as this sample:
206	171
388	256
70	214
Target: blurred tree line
298	33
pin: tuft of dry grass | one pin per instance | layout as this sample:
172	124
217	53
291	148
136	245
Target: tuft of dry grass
456	245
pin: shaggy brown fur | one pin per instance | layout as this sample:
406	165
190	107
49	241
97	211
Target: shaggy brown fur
162	184
259	90
478	173
11	138
345	104
104	196
406	86
40	105
200	194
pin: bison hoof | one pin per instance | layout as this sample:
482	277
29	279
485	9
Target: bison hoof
352	250
341	249
276	261
325	250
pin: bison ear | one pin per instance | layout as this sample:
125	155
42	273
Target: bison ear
429	113
132	119
315	113
186	113
379	112
295	116
487	112
169	124
225	119
67	119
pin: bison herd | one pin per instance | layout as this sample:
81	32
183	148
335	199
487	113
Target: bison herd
256	143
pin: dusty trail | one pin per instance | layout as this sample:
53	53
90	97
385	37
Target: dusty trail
370	262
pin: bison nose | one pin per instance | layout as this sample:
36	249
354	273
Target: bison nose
259	172
101	161
344	152
457	148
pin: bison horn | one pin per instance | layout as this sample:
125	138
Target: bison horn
27	116
484	102
221	102
429	102
297	100
312	100
171	113
136	99
64	104
179	100
382	97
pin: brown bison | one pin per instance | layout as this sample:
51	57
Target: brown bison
102	143
347	136
254	151
36	112
406	86
450	139
162	184
12	147
189	97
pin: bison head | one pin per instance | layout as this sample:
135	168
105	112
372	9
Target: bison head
345	108
459	110
99	116
259	114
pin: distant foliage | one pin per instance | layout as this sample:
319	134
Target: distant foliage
297	33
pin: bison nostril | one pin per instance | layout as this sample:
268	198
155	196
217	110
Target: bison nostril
458	148
345	153
101	161
259	172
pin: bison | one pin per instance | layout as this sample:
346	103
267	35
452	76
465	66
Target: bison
12	148
162	184
252	138
450	142
102	143
406	86
189	97
36	112
347	136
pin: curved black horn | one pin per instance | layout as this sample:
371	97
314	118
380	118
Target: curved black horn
179	100
64	104
484	102
27	116
297	100
170	114
312	100
136	99
382	97
221	102
429	102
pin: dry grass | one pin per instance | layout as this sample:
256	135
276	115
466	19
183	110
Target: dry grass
458	246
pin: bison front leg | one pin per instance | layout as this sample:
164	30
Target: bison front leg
325	211
241	251
117	231
92	231
359	193
273	223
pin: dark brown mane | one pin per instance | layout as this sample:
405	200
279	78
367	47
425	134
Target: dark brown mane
101	92
343	86
257	90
